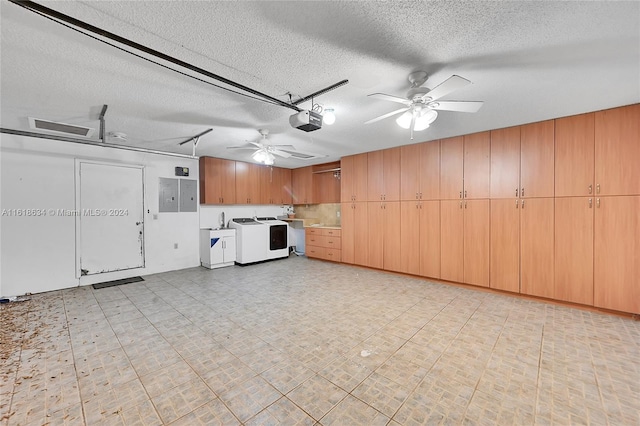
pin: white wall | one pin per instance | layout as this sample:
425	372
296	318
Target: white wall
38	253
211	216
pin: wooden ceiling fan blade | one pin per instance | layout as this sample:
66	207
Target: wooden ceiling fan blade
390	98
382	117
459	106
454	82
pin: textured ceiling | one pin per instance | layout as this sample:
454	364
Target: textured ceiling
528	61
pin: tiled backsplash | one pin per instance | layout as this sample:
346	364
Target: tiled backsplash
324	214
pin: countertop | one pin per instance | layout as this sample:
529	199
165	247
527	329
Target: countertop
308	223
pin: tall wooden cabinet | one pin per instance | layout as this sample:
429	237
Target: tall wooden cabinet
353	179
355	233
383	175
420	238
452	240
420	171
476	242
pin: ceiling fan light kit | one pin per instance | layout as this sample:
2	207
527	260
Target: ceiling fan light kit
420	102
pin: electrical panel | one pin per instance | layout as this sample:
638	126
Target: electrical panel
168	195
188	195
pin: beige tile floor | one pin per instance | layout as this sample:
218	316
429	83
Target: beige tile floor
298	341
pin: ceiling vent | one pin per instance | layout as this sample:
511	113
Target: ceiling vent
302	155
62	128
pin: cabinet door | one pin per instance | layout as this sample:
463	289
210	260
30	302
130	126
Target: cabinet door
574	155
217	181
347	221
476	242
617	253
229	246
505	245
376	234
392	242
505	163
360	177
391	174
301	185
410	236
574	249
536	159
285	186
451	240
347	176
451	168
247	183
429	238
361	233
617	151
429	168
477	165
375	175
536	247
267	177
410	172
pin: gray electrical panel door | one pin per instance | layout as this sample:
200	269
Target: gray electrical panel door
168	195
188	195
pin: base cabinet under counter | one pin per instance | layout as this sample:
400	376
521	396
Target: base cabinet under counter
323	243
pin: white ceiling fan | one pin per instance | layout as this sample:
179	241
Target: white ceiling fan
264	152
421	103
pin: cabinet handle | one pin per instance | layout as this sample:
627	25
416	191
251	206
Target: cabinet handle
597	188
516	204
523	204
522	192
465	194
460	204
590	203
598	202
416	195
460	194
465	204
516	192
590	189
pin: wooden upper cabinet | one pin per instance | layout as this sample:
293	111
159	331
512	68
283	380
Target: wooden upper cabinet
353	179
248	183
275	185
410	172
217	181
347	178
574	159
420	171
375	176
617	151
302	185
326	185
451	168
383	175
477	165
285	185
537	143
505	163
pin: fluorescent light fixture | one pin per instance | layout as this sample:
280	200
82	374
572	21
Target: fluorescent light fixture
328	117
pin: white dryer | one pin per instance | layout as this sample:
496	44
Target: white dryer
278	237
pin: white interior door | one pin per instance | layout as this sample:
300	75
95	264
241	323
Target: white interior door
111	218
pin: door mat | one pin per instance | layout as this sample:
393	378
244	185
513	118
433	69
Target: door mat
117	282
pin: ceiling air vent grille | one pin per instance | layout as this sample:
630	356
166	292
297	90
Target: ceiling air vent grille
53	126
302	155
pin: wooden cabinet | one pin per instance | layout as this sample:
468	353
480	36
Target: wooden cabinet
537	247
522	246
537	144
326	183
477	165
574	249
476	242
383	175
420	171
617	253
505	163
451	168
275	185
410	236
302	185
355	233
617	151
505	245
217	181
420	237
574	158
323	243
353	179
451	240
384	238
248	183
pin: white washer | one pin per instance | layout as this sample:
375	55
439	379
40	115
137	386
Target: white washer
252	240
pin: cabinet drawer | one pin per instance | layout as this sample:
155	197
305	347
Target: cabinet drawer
332	242
317	252
331	232
333	254
316	240
313	231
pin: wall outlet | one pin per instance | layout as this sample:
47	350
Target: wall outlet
155	216
175	245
